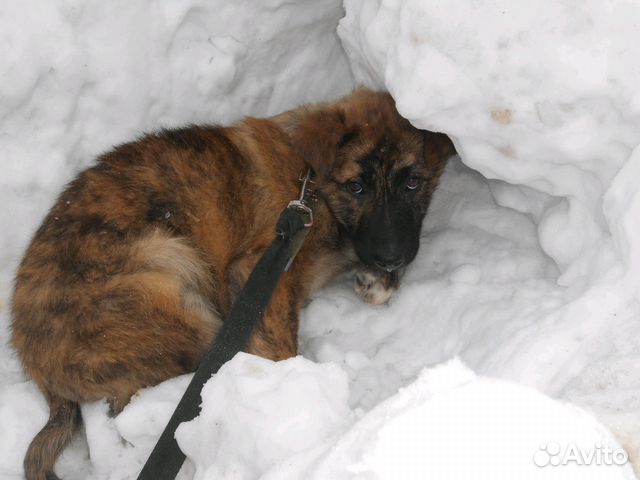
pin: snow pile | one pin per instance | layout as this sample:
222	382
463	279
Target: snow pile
259	414
499	428
291	420
118	447
256	413
543	98
542	95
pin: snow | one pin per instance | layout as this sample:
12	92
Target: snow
529	270
243	405
449	414
541	98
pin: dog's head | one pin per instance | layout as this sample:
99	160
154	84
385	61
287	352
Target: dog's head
375	171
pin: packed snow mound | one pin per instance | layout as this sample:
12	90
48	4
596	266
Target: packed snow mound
292	420
256	413
288	420
501	429
538	94
542	98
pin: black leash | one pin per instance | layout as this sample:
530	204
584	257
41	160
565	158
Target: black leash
292	227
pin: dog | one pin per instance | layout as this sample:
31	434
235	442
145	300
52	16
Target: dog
129	277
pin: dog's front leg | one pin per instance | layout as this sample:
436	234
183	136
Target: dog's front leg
276	336
376	286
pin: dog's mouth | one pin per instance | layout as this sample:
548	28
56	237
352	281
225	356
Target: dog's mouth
385	260
389	265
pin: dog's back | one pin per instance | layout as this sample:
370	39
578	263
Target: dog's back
122	285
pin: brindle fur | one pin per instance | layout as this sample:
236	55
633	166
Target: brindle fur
125	283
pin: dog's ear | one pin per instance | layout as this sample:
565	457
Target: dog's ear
437	149
317	137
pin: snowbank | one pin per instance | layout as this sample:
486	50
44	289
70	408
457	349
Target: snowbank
543	98
451	423
256	413
542	95
529	269
292	420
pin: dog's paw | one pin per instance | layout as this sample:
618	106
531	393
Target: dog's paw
375	287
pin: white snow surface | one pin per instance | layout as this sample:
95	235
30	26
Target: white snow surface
449	413
529	270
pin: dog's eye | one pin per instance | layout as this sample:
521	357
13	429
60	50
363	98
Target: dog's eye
413	183
354	187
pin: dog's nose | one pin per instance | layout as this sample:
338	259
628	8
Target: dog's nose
388	264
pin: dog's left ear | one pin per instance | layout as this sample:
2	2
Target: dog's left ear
317	137
437	149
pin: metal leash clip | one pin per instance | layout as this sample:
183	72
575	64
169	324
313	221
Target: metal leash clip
306	195
303	217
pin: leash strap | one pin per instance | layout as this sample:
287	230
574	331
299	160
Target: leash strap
292	227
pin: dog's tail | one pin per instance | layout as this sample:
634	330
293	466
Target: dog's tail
64	418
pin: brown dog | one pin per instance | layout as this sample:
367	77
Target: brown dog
128	279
